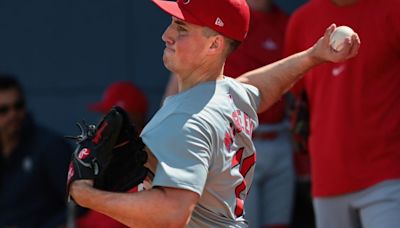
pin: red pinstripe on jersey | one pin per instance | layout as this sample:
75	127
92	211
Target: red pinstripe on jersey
244	167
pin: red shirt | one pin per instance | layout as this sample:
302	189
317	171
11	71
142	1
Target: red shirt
263	45
355	105
98	220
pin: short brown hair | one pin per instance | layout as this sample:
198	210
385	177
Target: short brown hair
233	44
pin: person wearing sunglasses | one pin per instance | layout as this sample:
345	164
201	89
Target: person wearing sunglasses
33	163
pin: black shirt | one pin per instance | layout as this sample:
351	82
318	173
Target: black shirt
32	179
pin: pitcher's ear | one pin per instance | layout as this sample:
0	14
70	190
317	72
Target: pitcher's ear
217	44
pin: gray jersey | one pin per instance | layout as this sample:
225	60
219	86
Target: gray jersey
202	140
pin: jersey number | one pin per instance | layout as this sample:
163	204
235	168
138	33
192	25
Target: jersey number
244	167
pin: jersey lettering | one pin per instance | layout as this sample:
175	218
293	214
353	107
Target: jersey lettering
242	122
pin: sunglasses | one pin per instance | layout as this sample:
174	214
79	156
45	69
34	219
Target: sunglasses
17	106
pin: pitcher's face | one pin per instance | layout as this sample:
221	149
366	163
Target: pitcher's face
185	46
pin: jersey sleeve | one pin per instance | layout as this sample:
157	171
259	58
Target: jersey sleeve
248	93
254	95
181	144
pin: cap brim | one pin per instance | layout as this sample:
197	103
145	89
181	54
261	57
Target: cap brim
173	9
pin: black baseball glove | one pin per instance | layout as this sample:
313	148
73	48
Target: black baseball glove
126	168
110	153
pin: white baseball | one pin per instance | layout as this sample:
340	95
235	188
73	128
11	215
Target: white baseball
338	36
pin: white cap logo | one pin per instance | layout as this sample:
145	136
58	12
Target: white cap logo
186	2
219	22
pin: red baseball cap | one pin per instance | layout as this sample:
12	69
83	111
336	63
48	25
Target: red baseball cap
124	94
228	17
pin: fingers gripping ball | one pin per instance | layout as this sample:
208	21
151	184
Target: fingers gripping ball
339	36
93	152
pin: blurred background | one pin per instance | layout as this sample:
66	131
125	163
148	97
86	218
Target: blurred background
65	53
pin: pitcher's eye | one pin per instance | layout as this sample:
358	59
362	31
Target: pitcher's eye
181	29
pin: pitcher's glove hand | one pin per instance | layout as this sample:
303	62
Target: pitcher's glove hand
97	147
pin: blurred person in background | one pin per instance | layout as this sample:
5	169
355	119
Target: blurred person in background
354	138
303	212
129	97
33	164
